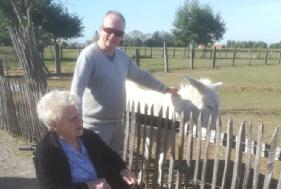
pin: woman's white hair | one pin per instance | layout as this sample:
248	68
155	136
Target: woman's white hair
51	106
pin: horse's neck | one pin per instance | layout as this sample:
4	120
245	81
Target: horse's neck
181	105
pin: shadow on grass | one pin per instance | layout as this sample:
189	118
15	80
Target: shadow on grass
18	183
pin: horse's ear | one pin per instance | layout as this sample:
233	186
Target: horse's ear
197	84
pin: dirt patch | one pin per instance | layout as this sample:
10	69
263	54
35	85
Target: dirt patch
16	167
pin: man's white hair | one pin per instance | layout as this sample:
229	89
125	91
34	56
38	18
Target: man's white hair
51	106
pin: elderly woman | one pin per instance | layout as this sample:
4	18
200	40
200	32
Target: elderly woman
72	157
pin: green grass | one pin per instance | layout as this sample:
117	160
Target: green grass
251	94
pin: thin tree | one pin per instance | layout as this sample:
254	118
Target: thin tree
55	20
17	17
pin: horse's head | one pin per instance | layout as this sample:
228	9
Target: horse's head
203	95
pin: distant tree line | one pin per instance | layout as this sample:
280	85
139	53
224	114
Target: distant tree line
138	39
275	45
252	44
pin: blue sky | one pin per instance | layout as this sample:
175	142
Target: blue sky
256	20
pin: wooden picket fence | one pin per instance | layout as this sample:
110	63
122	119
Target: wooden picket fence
192	159
18	109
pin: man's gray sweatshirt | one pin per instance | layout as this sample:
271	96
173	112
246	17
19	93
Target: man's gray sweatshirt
99	81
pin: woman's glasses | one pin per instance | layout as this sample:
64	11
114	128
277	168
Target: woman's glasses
110	31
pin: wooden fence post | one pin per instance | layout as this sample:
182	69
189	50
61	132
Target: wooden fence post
266	56
1	68
205	156
164	141
127	125
259	54
226	170
165	51
226	52
270	163
211	53
6	63
138	56
248	159
180	147
204	52
258	158
190	147
191	60
198	151
236	176
61	51
150	52
188	53
145	52
57	58
217	154
234	57
157	148
79	49
250	56
214	57
219	51
131	137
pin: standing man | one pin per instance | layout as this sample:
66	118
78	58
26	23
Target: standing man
99	79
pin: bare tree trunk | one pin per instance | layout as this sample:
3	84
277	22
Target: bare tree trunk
25	46
23	39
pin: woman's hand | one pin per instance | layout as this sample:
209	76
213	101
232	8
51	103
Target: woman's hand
98	184
172	90
128	176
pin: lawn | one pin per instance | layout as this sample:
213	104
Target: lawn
251	94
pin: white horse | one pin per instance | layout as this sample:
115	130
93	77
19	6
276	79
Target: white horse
194	96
